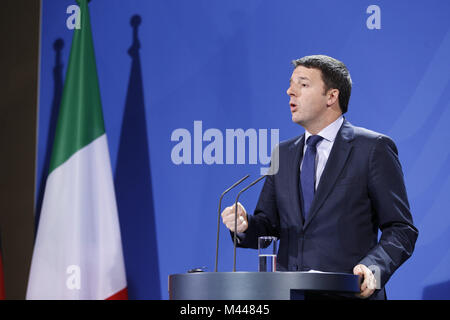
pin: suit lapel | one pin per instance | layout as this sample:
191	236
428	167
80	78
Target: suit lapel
335	163
295	154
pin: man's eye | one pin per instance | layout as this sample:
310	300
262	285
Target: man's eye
304	85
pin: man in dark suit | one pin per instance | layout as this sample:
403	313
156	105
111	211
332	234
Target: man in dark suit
336	186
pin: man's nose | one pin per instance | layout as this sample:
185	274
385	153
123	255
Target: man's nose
290	91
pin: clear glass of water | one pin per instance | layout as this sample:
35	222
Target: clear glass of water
267	254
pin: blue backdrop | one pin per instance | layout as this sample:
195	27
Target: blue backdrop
163	65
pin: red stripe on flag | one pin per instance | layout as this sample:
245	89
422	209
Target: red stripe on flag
121	295
2	283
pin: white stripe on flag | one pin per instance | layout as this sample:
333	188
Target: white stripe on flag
78	249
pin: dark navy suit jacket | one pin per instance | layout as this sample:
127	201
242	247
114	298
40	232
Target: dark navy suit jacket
361	191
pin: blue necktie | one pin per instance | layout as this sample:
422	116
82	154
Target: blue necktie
308	173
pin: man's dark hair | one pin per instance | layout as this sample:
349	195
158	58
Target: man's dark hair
334	74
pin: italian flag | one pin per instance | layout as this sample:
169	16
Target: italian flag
78	249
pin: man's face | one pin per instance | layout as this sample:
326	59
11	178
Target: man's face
308	101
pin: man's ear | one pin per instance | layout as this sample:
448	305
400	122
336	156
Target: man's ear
332	97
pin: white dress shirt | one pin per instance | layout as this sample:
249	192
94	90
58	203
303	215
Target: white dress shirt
324	146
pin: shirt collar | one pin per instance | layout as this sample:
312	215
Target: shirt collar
328	133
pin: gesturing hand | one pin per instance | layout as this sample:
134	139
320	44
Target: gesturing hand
228	218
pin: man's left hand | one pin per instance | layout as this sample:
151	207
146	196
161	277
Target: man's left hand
369	283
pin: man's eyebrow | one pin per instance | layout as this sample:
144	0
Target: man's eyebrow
301	78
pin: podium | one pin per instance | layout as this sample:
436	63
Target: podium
257	285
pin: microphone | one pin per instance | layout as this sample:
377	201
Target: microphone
218	216
235	215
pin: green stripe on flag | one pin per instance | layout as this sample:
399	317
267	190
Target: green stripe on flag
80	119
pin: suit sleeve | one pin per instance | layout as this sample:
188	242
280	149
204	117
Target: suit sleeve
265	220
390	203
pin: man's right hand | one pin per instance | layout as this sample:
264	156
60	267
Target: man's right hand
228	218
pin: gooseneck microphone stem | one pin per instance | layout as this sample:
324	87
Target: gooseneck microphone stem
218	216
235	216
